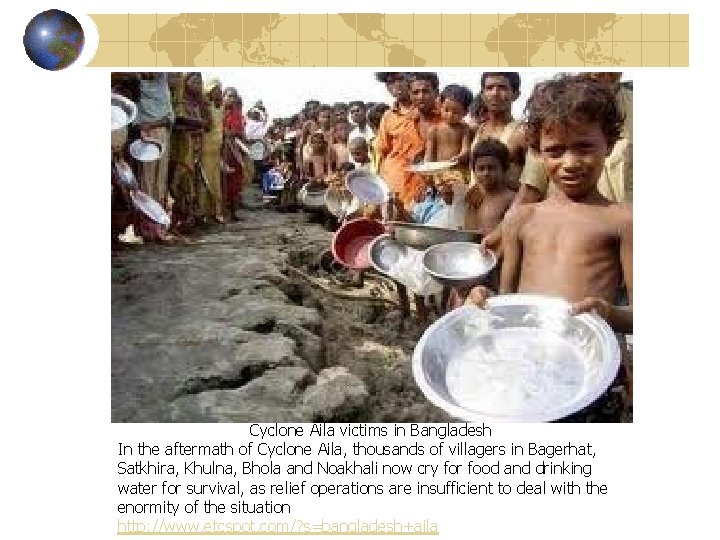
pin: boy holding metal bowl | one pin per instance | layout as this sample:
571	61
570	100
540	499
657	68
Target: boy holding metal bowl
576	244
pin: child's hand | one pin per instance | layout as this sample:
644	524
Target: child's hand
478	296
592	303
492	240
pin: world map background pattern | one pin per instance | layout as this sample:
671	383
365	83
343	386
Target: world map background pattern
397	40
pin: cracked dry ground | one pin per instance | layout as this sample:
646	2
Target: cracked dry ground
222	331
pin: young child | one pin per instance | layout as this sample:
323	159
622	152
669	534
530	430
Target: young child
359	153
340	113
288	198
374	115
320	161
341	130
576	244
490	162
450	140
324	124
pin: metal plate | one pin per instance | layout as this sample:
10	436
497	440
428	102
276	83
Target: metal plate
122	111
431	167
458	264
367	187
312	197
146	149
149	206
524	359
256	151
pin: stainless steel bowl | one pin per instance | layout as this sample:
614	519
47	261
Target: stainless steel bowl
385	253
367	186
423	236
122	112
312	197
340	202
458	264
523	359
147	150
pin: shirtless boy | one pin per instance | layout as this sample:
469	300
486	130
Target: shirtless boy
576	244
359	153
450	139
319	162
341	131
490	162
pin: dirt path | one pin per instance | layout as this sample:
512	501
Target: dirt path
223	330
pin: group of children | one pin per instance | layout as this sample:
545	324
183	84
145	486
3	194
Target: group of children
574	243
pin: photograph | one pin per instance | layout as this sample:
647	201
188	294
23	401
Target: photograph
353	245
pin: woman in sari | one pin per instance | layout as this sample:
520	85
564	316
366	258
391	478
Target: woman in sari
233	160
186	182
212	146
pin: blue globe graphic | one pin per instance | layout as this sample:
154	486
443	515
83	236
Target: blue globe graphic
53	39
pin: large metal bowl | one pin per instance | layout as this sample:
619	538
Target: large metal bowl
351	242
523	359
386	252
341	203
458	264
422	237
367	186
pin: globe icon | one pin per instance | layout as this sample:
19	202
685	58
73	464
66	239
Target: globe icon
53	39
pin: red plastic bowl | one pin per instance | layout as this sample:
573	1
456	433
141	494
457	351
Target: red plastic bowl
351	242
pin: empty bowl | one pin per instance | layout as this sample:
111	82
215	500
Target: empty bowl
523	359
351	242
122	112
147	149
458	264
312	196
367	187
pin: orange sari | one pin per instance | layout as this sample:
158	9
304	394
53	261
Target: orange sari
399	142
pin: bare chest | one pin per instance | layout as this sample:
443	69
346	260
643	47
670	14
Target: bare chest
570	234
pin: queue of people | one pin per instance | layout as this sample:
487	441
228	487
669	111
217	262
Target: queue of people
550	193
202	131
